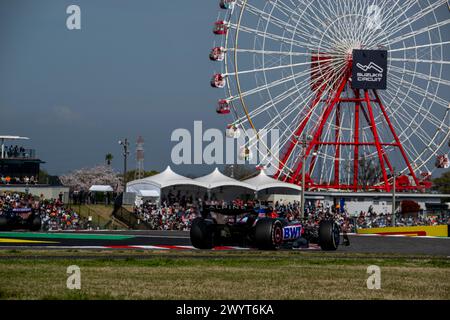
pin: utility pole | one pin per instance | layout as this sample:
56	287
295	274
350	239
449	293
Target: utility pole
393	197
305	140
3	148
302	207
125	144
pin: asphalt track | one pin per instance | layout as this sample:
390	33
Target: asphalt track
179	240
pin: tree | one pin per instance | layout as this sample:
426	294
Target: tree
45	178
131	174
410	208
369	173
442	184
108	158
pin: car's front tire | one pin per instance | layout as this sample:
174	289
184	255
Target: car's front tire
202	233
329	235
4	225
268	234
36	224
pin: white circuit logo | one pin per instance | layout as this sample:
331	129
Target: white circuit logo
367	76
371	65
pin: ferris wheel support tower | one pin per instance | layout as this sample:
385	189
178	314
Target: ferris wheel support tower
364	104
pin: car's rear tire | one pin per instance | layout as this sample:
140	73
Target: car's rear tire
36	224
4	225
202	233
268	234
329	235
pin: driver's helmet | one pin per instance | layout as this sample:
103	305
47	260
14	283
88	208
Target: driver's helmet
272	214
261	213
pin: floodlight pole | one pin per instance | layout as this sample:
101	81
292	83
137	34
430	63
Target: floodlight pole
3	148
302	206
125	144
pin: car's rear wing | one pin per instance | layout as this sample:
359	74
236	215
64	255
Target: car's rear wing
227	211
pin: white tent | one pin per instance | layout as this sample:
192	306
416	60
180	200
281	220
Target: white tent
263	181
149	194
101	188
165	179
216	180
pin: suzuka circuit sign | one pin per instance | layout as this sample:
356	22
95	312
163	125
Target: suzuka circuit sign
369	69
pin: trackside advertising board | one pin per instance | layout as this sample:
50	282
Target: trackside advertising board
418	231
369	69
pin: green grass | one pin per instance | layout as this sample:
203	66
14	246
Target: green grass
220	275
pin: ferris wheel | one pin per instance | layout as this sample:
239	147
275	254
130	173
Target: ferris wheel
291	66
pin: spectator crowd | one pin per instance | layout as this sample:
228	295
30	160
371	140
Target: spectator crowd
18	180
16	152
167	217
53	213
371	219
177	214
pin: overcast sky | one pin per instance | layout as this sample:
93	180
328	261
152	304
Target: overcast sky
136	67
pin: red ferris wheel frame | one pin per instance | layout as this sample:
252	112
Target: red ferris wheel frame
364	103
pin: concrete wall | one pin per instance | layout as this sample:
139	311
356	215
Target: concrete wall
278	197
277	194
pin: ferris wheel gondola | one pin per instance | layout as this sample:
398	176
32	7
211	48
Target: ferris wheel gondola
223	107
218	81
246	154
227	4
220	28
233	131
442	162
217	54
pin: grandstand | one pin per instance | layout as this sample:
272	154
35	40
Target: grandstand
20	170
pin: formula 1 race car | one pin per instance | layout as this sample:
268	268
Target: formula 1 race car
20	218
256	230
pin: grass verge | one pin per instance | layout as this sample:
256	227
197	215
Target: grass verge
219	275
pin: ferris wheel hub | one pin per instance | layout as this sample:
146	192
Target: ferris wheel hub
349	52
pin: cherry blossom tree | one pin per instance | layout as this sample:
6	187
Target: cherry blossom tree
83	179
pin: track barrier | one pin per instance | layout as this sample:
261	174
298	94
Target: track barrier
417	231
